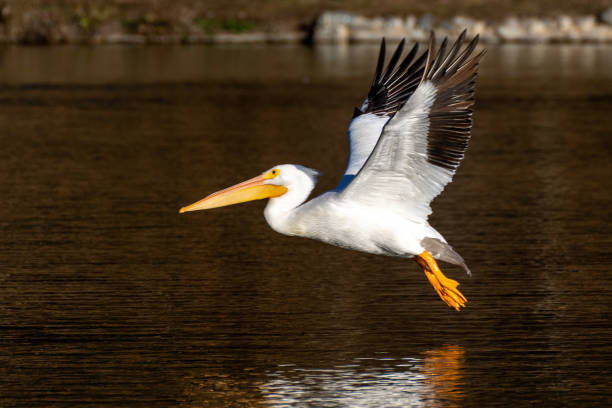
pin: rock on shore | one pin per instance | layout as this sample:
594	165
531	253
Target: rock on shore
339	27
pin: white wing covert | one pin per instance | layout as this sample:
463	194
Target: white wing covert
422	145
388	92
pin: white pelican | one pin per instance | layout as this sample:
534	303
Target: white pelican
406	141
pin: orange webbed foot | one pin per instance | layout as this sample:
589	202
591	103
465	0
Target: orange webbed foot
446	288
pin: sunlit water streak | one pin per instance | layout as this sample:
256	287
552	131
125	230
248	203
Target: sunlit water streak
432	381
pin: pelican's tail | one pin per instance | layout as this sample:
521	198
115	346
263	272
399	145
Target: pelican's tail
444	252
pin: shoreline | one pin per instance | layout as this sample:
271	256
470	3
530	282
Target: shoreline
39	27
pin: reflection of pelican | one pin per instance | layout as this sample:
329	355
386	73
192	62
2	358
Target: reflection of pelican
406	141
442	370
432	381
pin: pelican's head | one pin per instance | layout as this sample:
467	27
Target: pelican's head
293	182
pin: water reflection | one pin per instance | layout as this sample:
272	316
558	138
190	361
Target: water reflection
433	380
442	371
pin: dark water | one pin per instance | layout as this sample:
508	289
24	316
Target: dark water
109	298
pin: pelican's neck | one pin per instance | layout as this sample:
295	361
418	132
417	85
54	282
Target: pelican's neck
281	212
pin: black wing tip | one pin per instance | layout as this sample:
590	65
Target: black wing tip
453	74
381	60
392	80
445	64
395	81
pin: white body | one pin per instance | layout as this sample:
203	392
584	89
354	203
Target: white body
364	228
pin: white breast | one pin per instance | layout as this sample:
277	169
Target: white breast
358	227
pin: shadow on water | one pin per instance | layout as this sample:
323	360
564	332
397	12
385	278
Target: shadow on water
110	298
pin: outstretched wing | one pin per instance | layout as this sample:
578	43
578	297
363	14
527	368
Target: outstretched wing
422	145
389	90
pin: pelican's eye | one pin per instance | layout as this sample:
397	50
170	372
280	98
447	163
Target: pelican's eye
271	174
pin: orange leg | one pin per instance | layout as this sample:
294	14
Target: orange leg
446	288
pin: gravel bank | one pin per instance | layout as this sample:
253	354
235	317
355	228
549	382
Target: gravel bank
345	27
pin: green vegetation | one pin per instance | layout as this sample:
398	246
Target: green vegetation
130	25
231	25
85	23
87	18
148	22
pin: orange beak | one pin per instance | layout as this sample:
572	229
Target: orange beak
253	189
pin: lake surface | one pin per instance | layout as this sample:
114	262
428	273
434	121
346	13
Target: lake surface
109	298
